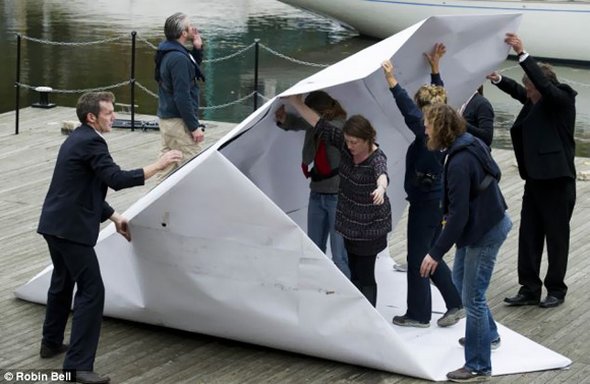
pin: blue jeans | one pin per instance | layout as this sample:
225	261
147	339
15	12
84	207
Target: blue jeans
472	272
321	221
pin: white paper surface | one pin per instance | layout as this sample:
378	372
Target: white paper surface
236	263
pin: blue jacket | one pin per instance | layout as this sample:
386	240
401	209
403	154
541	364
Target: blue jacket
470	212
75	203
178	87
423	178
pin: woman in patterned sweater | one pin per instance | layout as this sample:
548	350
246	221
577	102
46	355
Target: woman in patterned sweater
363	214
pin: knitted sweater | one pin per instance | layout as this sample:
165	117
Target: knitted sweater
357	218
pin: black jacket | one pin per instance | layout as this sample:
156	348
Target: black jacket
75	203
543	133
479	116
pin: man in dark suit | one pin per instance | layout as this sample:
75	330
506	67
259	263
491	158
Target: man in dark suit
70	219
479	116
543	140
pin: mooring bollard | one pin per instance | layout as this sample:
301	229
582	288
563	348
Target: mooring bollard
43	98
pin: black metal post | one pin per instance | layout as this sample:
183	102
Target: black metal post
132	80
17	84
256	52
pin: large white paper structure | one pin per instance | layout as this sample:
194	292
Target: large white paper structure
220	247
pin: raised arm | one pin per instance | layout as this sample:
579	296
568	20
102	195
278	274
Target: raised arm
547	88
308	114
433	58
290	122
327	131
508	86
411	113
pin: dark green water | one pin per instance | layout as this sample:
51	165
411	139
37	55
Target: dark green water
227	27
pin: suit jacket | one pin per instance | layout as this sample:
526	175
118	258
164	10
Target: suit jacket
75	203
479	116
543	133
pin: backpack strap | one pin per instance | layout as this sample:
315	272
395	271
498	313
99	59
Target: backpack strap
492	171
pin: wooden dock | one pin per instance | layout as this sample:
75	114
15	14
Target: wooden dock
136	353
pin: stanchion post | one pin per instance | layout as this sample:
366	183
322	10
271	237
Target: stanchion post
256	53
17	83
132	80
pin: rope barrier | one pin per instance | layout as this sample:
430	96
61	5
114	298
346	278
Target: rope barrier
212	107
291	59
215	60
230	56
105	88
49	42
152	46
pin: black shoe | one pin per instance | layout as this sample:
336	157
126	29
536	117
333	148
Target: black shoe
521	299
87	377
47	352
551	302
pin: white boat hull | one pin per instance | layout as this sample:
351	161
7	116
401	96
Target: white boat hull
556	29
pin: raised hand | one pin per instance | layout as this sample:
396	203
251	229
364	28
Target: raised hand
389	76
515	42
433	58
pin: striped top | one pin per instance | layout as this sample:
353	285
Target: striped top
357	218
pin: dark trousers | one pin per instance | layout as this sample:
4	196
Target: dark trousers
424	226
547	207
362	275
74	264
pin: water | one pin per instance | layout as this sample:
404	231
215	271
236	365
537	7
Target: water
226	25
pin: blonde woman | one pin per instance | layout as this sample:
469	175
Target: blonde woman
423	185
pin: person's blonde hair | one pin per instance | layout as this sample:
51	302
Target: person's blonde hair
430	94
446	126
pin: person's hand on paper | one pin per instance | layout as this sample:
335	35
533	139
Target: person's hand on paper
198	135
389	76
121	224
281	115
494	77
515	42
438	51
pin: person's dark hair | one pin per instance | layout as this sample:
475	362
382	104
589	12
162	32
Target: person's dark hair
358	126
90	103
430	94
446	125
174	26
325	105
547	70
